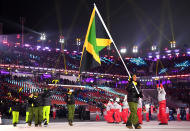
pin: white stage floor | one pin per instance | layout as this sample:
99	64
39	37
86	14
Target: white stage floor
100	126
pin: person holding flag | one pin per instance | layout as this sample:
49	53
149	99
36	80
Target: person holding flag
133	98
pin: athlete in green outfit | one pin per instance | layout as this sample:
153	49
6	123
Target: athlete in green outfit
133	98
70	100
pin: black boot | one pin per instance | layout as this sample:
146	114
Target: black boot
129	125
70	123
45	121
137	126
14	124
29	124
45	124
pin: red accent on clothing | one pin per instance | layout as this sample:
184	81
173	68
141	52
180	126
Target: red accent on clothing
178	117
125	114
162	111
147	117
54	115
187	117
117	116
139	113
97	117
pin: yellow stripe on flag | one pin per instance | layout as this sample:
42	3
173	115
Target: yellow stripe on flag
103	42
91	50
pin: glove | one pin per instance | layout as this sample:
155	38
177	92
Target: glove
140	95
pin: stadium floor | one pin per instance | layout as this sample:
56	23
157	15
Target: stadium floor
100	126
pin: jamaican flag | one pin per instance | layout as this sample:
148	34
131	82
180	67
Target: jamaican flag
95	41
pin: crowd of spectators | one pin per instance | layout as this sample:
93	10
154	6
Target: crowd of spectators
71	61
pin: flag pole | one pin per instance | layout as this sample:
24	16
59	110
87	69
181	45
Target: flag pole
114	44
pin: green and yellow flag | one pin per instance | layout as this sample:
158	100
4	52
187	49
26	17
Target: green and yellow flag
95	41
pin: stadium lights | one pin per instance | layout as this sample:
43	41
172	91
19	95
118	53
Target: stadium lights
176	50
153	48
43	36
27	45
47	48
57	49
61	39
38	47
5	40
150	56
135	49
123	50
177	54
173	44
158	56
78	41
188	52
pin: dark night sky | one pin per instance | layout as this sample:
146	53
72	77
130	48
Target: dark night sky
141	22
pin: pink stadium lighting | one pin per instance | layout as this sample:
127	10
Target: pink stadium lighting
38	47
27	45
17	43
176	50
177	54
149	56
168	51
127	58
46	48
5	42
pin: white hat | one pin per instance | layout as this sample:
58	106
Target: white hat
117	99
